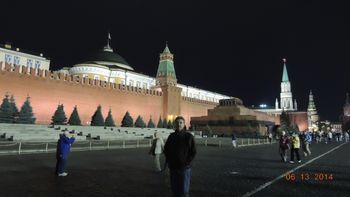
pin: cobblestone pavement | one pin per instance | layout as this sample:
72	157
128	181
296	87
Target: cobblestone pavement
216	172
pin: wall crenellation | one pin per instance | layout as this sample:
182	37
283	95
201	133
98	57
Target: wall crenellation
194	100
49	75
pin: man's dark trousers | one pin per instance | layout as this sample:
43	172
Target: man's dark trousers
62	163
180	182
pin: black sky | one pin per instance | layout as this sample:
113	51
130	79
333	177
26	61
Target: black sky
232	47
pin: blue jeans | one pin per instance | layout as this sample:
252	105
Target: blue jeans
180	182
61	165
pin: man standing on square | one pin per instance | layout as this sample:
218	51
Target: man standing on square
63	148
180	150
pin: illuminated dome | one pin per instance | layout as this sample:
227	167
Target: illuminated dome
106	58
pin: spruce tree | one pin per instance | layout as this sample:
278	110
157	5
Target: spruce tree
165	124
59	118
127	120
150	123
109	122
26	115
6	111
170	125
160	123
139	122
97	118
285	122
74	118
14	109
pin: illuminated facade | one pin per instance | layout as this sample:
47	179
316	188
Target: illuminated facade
312	115
106	79
16	56
106	65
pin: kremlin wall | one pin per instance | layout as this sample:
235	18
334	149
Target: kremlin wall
106	79
48	89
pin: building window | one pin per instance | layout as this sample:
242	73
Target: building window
144	86
29	63
16	60
138	84
37	64
131	83
8	59
97	77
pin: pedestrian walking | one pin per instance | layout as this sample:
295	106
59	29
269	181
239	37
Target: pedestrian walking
329	137
156	150
62	152
270	137
234	143
346	136
283	146
180	150
295	148
307	141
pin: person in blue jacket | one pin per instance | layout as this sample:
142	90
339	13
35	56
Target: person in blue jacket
307	142
62	152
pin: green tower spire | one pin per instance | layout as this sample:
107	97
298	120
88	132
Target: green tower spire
166	49
166	71
285	73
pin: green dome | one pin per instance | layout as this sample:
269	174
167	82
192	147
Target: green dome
107	57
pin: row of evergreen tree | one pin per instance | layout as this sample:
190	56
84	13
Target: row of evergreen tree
9	112
59	118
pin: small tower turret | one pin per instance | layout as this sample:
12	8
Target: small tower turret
312	115
276	104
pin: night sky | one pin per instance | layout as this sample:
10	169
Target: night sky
233	48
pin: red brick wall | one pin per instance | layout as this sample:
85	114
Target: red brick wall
47	93
194	108
47	90
300	119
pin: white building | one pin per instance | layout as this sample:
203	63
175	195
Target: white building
107	65
16	56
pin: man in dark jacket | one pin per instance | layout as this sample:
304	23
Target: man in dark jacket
62	152
179	150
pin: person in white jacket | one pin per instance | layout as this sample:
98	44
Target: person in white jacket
158	144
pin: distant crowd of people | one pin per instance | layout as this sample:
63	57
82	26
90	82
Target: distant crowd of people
303	140
330	136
